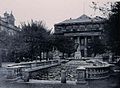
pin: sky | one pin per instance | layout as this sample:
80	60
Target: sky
48	11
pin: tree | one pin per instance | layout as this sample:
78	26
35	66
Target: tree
112	29
97	46
36	36
30	42
48	45
17	48
65	45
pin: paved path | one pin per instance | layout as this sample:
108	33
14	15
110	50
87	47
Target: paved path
38	84
53	84
41	84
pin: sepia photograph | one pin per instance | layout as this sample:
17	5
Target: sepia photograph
59	43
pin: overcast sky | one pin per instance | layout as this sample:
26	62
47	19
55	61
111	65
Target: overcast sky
50	11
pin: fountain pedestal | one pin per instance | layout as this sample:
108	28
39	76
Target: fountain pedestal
78	55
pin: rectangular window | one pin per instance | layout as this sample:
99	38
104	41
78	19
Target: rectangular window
82	27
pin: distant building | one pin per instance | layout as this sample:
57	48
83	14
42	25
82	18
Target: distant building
7	23
82	30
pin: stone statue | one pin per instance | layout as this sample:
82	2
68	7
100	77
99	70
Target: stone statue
78	52
78	47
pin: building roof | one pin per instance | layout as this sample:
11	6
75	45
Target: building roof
83	19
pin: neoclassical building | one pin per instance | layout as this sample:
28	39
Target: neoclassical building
82	30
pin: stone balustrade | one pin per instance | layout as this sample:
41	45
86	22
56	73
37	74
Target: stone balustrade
16	70
97	72
35	64
92	72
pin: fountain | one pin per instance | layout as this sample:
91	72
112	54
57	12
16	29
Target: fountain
78	53
83	69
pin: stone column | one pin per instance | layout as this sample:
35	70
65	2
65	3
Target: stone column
85	49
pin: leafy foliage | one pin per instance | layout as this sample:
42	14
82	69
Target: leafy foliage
112	29
36	36
97	46
30	42
65	45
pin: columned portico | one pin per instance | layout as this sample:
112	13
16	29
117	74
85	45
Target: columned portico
82	30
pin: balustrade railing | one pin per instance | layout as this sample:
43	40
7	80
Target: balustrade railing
97	72
35	64
94	72
16	70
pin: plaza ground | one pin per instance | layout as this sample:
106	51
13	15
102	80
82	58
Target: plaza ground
56	84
